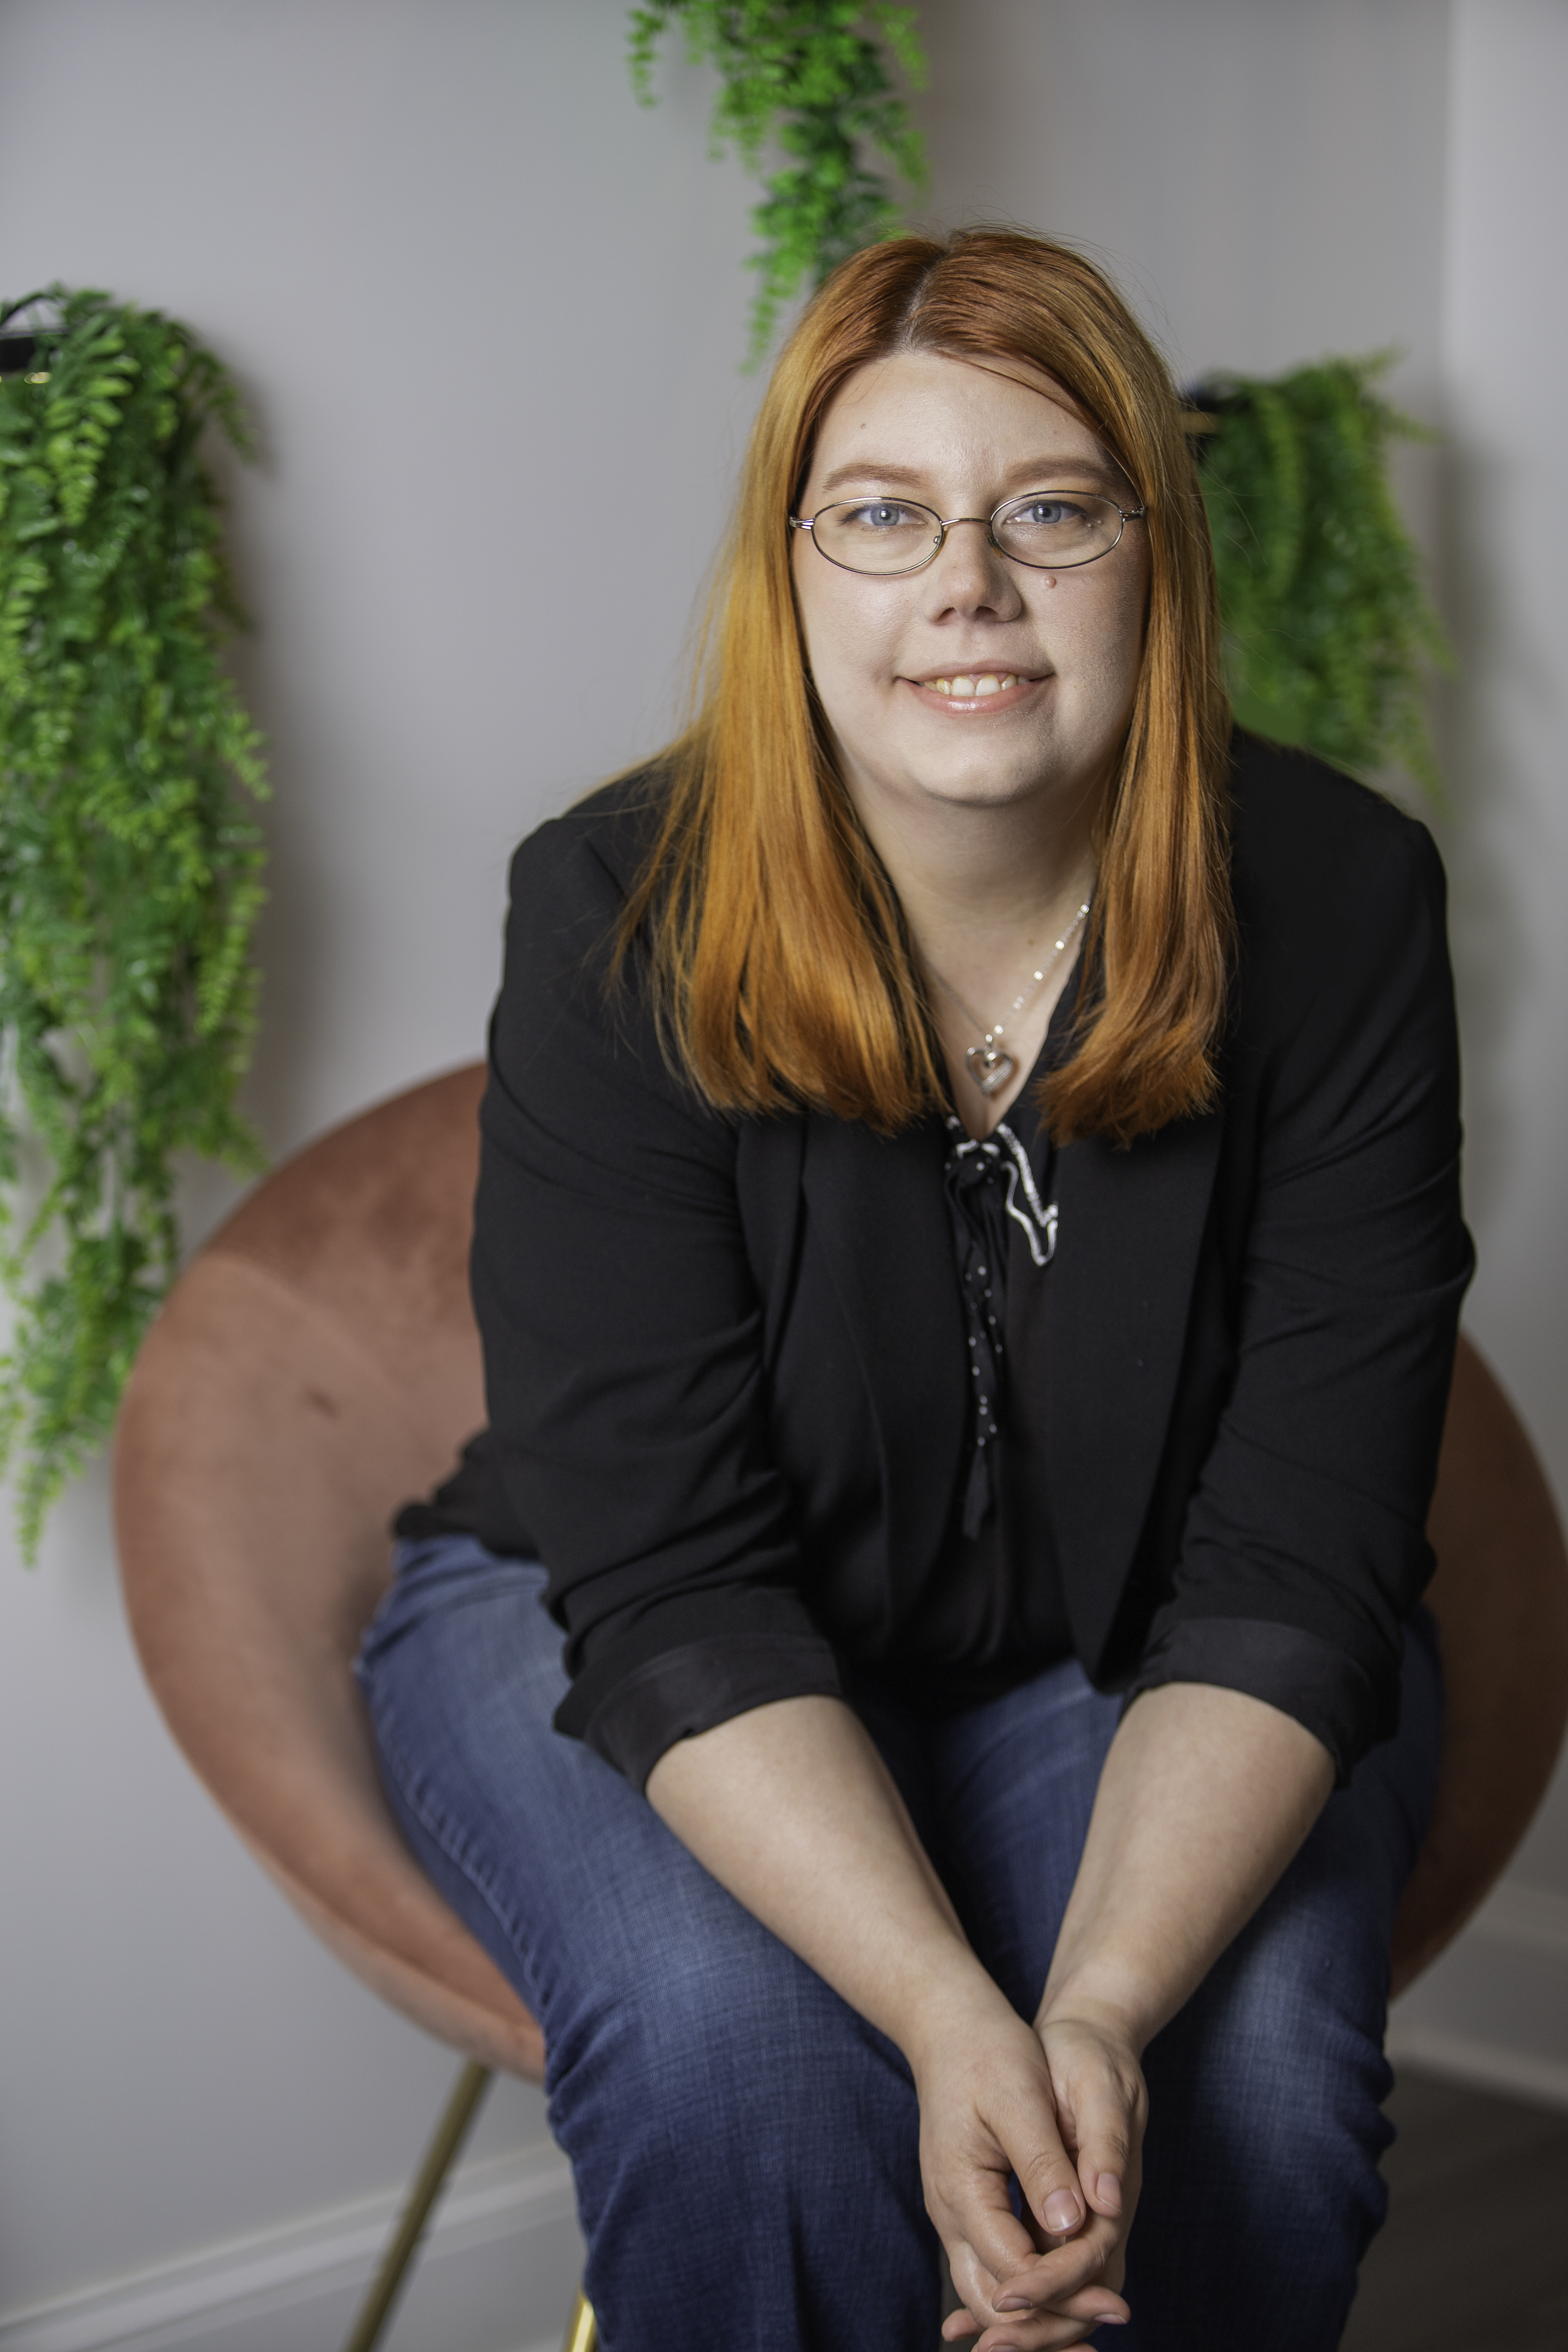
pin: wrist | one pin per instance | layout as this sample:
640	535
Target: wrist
1115	2008
949	2011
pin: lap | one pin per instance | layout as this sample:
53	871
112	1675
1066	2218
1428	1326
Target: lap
562	1869
669	2013
696	2068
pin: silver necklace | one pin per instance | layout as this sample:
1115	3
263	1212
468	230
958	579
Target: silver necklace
988	1064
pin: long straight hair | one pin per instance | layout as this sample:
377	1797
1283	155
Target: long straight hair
779	960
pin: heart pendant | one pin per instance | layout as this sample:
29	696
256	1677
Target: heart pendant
989	1068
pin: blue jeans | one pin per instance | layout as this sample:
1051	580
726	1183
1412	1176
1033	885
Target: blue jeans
744	2146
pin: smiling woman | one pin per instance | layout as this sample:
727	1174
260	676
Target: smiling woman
968	1253
964	384
995	680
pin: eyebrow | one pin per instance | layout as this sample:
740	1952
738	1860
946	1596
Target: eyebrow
1033	471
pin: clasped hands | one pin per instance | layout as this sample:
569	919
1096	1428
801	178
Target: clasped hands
1060	2106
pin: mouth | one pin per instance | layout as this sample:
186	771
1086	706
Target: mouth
975	691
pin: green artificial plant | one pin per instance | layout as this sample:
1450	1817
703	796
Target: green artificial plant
807	77
1329	631
131	860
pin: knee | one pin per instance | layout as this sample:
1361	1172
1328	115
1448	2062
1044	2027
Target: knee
725	2015
722	2053
1270	2086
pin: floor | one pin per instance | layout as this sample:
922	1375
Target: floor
1475	2254
1474	2257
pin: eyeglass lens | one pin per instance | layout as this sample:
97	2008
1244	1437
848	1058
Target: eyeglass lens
1050	530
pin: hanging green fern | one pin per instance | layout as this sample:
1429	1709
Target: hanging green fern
1329	631
802	75
131	860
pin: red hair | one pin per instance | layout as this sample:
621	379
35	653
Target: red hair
779	957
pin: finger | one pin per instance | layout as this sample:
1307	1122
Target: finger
1049	2180
1042	2332
1051	2280
979	2215
1050	2298
1099	2305
1045	2332
1104	2131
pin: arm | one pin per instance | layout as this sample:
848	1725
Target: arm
1204	1798
792	1809
622	1327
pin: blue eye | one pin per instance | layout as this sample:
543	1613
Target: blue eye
882	514
1049	514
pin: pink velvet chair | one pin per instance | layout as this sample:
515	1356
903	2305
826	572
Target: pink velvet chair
317	1362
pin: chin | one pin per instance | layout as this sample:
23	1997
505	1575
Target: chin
981	788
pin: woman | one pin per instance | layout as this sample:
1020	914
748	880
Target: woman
968	1253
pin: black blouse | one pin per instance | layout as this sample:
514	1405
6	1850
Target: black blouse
727	1360
990	1614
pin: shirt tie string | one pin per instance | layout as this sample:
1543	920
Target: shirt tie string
989	1184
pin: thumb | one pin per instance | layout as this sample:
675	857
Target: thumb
1050	2187
1106	2137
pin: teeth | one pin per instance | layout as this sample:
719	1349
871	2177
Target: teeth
972	690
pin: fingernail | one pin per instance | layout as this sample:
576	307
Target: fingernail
1108	2188
1013	2303
1061	2213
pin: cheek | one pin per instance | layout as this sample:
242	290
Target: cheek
849	646
1109	644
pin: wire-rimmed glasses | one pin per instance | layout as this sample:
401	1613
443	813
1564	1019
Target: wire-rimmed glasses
1046	531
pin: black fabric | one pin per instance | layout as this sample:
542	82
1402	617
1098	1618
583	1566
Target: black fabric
991	1612
681	1692
726	1358
1290	1668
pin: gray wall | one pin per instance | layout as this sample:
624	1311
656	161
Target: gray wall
468	287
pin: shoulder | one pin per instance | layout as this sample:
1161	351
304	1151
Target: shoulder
589	858
1322	868
575	1036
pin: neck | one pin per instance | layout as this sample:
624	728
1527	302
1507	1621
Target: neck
982	889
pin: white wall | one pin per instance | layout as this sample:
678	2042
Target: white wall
468	287
474	294
1501	1999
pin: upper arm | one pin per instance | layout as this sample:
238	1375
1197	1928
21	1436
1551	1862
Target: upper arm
621	1323
1304	1546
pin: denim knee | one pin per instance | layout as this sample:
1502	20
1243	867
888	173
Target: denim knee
1261	2188
721	2048
744	2146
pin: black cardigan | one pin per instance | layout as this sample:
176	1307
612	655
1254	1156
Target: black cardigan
725	1359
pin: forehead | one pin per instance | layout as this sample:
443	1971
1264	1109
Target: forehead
930	411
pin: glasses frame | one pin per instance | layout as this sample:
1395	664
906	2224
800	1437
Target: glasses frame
988	522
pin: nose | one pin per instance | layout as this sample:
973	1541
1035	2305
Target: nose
972	574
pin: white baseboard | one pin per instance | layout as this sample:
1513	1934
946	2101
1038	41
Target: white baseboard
510	2219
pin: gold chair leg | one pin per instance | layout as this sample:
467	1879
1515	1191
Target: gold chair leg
582	2330
450	2133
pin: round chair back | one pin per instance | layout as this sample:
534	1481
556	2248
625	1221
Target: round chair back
317	1363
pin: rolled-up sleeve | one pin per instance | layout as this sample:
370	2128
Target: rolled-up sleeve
1304	1547
622	1341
